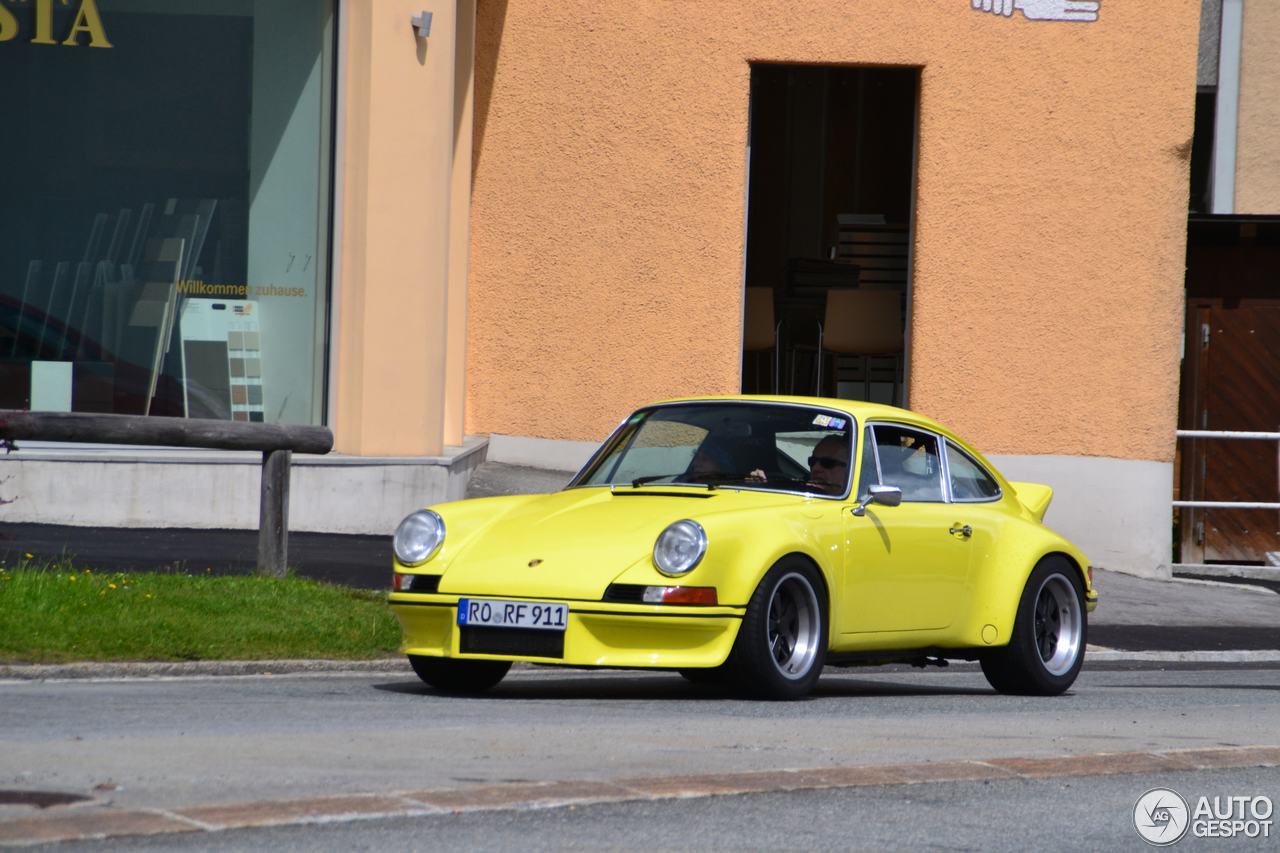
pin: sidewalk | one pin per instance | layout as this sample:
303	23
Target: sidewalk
1183	615
1134	614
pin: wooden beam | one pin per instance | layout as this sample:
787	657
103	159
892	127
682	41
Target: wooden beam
88	428
277	443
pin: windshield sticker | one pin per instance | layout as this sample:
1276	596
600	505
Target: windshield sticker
828	421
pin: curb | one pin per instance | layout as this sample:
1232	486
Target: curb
1238	585
108	823
1207	656
1191	571
181	669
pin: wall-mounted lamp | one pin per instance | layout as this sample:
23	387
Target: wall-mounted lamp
422	23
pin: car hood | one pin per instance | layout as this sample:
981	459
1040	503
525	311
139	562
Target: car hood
573	543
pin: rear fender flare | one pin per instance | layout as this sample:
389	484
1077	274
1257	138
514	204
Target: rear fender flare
1002	600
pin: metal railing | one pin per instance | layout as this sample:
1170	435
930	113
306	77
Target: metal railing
1232	435
276	442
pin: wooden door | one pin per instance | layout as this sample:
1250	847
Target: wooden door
1235	378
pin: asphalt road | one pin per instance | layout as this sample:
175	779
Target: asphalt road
1079	813
147	744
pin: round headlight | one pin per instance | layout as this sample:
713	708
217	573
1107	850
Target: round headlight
418	537
680	547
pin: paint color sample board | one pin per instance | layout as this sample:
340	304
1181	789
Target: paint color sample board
222	359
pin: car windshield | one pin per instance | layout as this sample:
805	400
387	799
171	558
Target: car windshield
764	446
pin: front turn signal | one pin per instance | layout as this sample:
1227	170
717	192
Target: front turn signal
680	595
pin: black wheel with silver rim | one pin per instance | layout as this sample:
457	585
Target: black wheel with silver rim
1047	646
1059	624
782	642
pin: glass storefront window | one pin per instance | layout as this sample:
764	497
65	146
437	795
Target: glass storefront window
165	206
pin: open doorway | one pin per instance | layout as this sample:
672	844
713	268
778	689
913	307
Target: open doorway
1230	394
832	174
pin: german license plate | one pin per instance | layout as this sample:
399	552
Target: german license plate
495	613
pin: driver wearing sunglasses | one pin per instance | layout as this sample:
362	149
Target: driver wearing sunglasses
829	465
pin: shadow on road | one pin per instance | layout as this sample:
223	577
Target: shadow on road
839	686
623	687
1185	638
1195	686
576	688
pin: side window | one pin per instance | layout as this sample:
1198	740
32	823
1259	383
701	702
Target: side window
868	475
910	460
969	480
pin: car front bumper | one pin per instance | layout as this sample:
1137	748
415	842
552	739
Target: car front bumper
596	634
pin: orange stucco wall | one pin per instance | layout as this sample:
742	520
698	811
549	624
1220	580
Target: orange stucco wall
609	199
399	216
1258	118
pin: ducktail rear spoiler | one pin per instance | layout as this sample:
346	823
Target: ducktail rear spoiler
1035	497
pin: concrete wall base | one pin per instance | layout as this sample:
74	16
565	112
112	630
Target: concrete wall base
540	452
211	489
1117	510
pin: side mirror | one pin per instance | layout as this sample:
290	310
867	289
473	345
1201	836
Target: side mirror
884	495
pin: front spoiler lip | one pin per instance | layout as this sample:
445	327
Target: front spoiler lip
598	633
579	605
1090	600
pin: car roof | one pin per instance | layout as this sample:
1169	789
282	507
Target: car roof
860	410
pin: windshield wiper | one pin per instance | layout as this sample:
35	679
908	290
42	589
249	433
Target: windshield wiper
640	481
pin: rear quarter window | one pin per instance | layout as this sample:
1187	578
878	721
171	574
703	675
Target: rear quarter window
969	480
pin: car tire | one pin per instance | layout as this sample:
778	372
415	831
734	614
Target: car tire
782	642
459	676
1046	648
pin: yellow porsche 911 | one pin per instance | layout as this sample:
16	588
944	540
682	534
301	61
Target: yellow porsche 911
751	540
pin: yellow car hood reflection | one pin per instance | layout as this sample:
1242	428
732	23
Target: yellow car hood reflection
574	543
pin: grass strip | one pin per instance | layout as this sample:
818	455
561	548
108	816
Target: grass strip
54	612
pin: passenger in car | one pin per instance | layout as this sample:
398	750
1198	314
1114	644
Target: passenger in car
912	469
712	462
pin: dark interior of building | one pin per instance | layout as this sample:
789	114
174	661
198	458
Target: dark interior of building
828	230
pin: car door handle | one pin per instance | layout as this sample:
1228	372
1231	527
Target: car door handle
966	531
